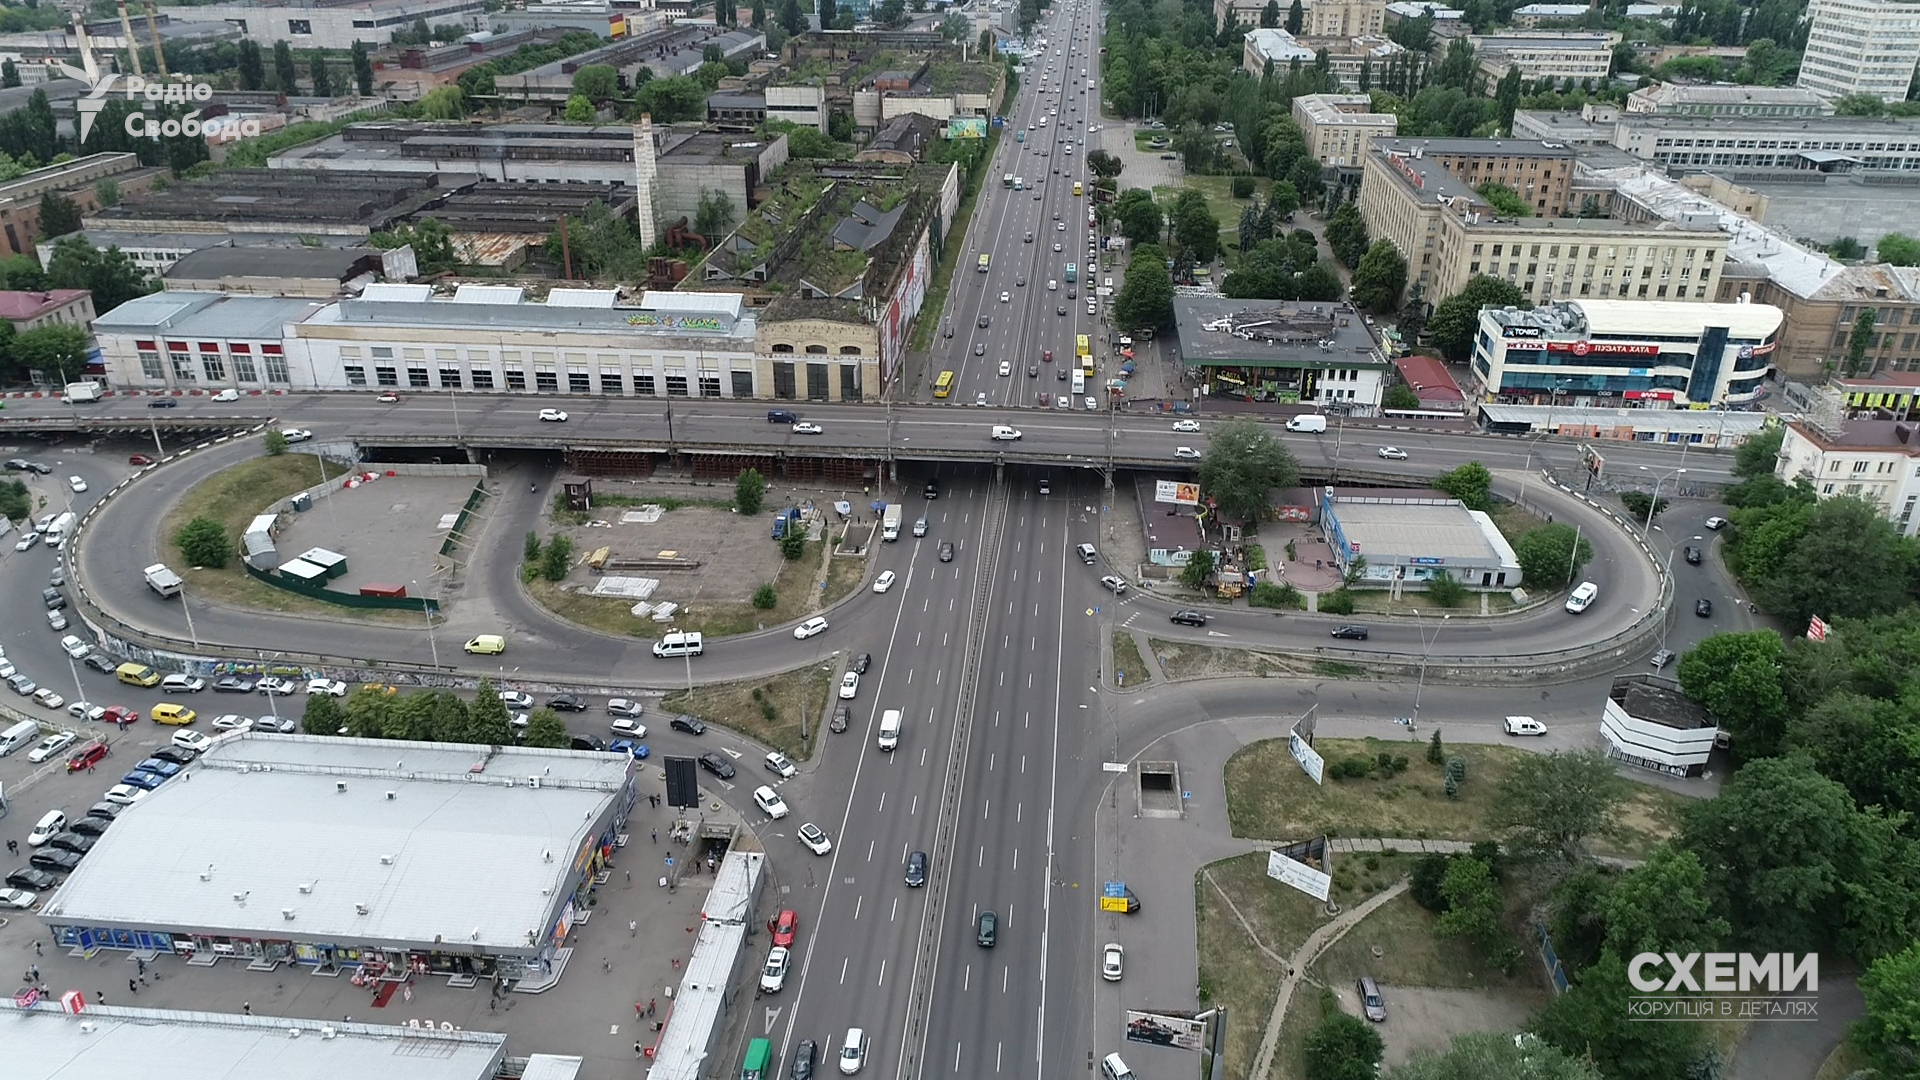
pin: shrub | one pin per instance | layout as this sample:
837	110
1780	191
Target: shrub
1446	590
794	544
1243	187
204	542
276	443
1291	557
557	559
1436	754
530	548
1429	871
749	492
1352	768
1256	557
1280	595
764	598
1337	602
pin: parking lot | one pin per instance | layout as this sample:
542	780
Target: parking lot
388	529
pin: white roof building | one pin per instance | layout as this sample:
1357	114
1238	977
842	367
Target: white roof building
1876	460
1650	352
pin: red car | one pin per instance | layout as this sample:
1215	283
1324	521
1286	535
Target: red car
139	459
784	926
1047	356
87	756
117	714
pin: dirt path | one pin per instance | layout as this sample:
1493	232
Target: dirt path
1315	944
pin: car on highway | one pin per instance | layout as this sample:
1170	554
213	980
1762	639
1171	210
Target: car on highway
1392	453
1692	555
688	724
1005	297
806	428
294	434
916	869
553	416
1716	523
182	684
101	662
77	484
388	398
946	551
1006	368
139	459
46	698
1661	658
229	394
26	541
861	663
163	403
804	1055
982	322
980	349
853	1052
1111	956
51	745
1702	607
1186	453
1188	617
884	581
811	627
920	527
774	975
85	710
327	687
849	685
233	684
1114	584
567	703
1524	725
74	647
769	802
276	686
1060	309
1351	633
1033	371
987	929
1186	425
1056	247
815	839
717	765
17	898
1003	433
777	764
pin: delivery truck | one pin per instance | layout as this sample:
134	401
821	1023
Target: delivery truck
162	580
890	522
83	391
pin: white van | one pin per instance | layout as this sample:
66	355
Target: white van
680	644
1112	1068
1314	423
1581	598
17	736
889	729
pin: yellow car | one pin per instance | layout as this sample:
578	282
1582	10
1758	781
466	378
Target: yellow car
382	689
487	644
168	713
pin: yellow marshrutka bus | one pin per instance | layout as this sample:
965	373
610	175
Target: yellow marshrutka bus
943	385
1082	346
1076	189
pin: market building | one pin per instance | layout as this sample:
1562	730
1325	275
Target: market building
1659	355
361	857
1276	350
1394	540
1649	723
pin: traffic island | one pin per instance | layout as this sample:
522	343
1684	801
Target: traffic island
784	712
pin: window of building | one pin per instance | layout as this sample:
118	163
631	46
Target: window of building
783	380
516	378
782	347
356	374
849	350
449	377
380	352
643	384
150	368
183	367
243	368
817	350
742	383
578	381
276	365
299	26
1661	293
386	375
709	384
1643	292
545	380
417	377
817	382
215	367
849	382
613	382
677	384
482	378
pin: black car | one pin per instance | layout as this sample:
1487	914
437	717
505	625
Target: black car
1692	555
16	465
1351	633
32	880
233	684
946	551
104	809
588	742
54	599
983	322
862	662
1703	607
1188	618
567	703
717	765
37	467
803	1056
163	403
91	826
55	860
689	725
73	842
932	490
841	717
916	869
179	755
101	662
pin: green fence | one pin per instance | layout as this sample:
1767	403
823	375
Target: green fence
341	599
459	530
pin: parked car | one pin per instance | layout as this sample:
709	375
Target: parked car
32	880
690	725
841	717
182	684
329	687
626	727
51	746
233	684
567	703
1351	633
849	685
1372	1005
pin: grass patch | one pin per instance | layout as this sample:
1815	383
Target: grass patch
844	574
1269	797
234	497
1127	662
1180	660
1514	521
1337	670
1409	953
745	707
1842	1063
612	615
601	501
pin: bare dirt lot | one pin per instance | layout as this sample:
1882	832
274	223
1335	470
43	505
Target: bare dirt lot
389	530
1427	1018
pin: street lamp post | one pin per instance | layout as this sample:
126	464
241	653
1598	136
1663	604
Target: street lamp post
1553	396
1653	504
432	641
79	691
1426	650
188	612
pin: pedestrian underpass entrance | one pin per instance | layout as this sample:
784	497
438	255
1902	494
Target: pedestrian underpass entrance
1157	790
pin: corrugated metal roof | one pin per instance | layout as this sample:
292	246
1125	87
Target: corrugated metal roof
587	298
397	291
489	294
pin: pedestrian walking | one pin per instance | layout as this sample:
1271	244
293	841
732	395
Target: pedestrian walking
246	1008
33	974
132	987
629	874
638	1050
650	1003
605	965
639	1010
656	836
13	847
633	928
142	962
36	948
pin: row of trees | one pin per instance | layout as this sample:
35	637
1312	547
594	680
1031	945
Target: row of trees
326	82
431	716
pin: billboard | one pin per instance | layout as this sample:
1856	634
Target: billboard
966	127
1299	875
1161	1029
1309	758
1173	491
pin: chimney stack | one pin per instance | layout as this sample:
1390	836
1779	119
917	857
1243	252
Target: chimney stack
645	172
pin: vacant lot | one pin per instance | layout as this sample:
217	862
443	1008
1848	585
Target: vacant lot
1268	796
769	711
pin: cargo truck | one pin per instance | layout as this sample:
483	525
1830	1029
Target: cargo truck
162	580
83	391
890	522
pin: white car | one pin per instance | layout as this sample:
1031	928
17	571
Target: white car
17	898
805	428
556	416
811	627
514	699
778	765
628	728
231	722
51	745
229	394
191	740
1393	453
7	670
774	975
768	800
274	685
1005	297
74	647
48	698
77	484
626	707
1056	247
294	434
27	540
1186	452
183	684
1006	368
1186	425
884	581
1525	725
1110	957
1003	433
980	399
849	685
85	710
329	687
124	794
853	1053
815	839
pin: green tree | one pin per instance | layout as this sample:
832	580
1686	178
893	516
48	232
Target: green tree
1898	249
204	542
1242	465
432	242
578	111
1504	199
1445	590
749	492
794	544
1593	1021
410	716
765	598
1836	558
367	714
59	351
1347	235
1737	677
253	72
1473	904
1889	1033
1551	556
1139	216
1487	1055
557	559
1399	396
597	82
1457	66
1270	15
1380	278
443	103
829	13
1457	318
362	69
322	78
790	18
286	75
1195	229
488	722
106	192
275	442
1198	571
59	215
1552	804
1859	105
1507	97
714	218
16	502
1846	249
1662	906
1295	16
602	247
451	720
1146	296
1471	483
1341	1047
1106	166
1859	340
546	729
322	716
9	74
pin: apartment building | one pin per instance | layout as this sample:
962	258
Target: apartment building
1340	128
1347	58
1876	460
1546	54
1759	143
1861	47
1449	234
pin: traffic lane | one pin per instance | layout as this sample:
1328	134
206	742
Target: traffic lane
31	644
